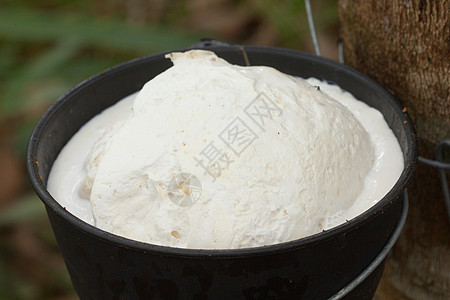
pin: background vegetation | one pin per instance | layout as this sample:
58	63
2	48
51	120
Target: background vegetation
47	47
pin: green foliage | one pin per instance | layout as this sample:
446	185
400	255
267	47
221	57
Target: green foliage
68	36
38	26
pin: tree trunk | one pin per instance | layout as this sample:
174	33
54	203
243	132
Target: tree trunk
405	46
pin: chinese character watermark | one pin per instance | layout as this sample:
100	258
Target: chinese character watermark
262	109
213	160
237	136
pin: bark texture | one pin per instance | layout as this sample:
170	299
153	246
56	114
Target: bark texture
405	46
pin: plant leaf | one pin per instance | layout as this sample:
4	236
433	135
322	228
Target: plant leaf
38	26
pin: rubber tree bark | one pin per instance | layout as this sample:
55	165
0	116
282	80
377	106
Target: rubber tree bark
405	46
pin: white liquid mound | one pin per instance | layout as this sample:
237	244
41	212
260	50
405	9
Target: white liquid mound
216	156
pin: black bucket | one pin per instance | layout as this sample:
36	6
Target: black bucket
105	266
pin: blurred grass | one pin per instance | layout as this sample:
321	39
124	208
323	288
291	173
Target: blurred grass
68	35
38	26
47	47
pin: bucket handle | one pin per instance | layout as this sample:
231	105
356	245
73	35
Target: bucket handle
380	257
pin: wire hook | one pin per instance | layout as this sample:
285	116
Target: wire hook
312	28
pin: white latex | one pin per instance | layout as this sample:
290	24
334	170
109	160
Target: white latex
306	158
